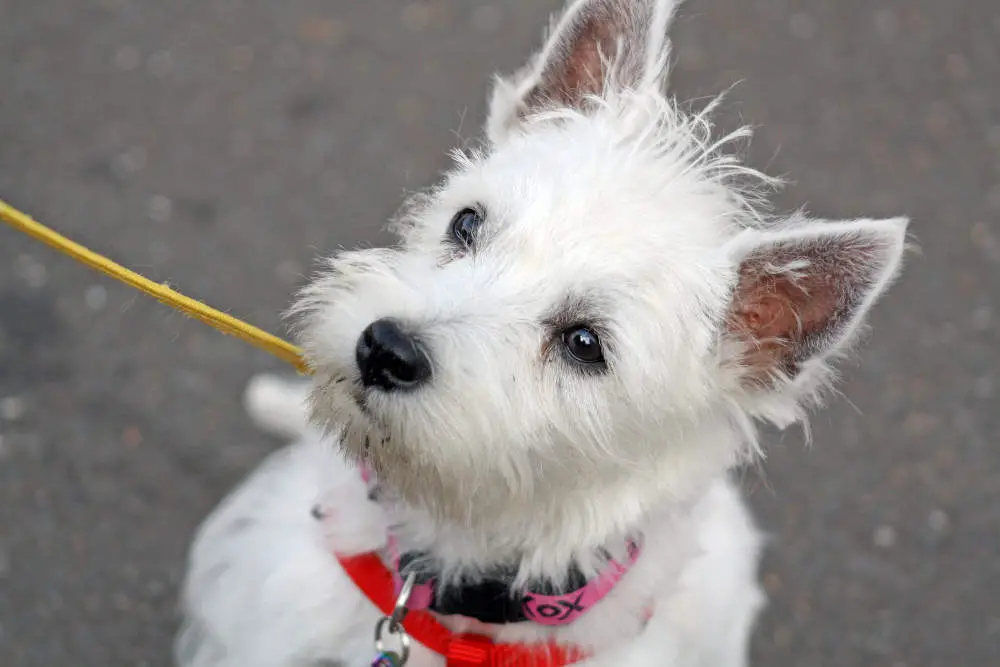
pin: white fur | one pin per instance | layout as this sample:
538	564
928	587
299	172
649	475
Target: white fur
264	589
606	205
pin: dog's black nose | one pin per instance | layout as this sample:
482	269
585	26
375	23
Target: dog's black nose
391	359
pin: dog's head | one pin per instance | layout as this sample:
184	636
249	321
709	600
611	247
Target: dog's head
586	316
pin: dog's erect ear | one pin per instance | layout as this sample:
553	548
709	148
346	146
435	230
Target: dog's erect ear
803	291
595	47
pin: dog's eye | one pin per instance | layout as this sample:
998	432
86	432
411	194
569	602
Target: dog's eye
583	345
464	226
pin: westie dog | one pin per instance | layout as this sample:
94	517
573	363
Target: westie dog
549	378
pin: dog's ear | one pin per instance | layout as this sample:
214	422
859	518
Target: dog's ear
802	292
594	48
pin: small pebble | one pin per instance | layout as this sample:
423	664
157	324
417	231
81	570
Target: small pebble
772	583
409	109
129	572
964	421
986	241
938	521
121	602
159	253
127	58
316	65
993	198
486	18
948	334
92	604
957	66
993	136
12	408
938	120
323	31
129	162
286	56
289	272
802	26
156	588
159	208
984	388
783	637
982	318
31	271
160	64
884	537
919	424
132	437
96	297
886	24
416	16
240	58
241	144
334	187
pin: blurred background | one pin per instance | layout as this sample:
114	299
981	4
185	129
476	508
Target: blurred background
222	145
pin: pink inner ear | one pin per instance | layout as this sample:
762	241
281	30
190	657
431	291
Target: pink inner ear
774	315
791	299
577	67
581	70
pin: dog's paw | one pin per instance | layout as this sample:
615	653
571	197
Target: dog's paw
277	405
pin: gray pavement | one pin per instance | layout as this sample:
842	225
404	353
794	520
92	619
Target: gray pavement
223	144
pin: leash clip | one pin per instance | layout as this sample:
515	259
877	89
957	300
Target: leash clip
392	625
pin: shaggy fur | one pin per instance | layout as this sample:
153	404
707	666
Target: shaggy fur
604	205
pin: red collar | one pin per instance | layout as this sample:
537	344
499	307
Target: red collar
460	650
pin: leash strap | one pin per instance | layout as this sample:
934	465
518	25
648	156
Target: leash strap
227	324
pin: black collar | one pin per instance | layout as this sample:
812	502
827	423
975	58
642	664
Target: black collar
493	598
490	599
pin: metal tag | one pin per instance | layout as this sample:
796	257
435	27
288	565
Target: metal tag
388	659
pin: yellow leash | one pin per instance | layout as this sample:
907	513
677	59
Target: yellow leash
227	324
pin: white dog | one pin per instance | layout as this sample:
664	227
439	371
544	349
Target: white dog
550	378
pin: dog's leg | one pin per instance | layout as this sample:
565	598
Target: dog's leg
719	599
277	405
263	587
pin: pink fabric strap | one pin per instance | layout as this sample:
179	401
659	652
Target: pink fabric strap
566	608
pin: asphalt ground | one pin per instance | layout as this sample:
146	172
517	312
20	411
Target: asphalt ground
222	145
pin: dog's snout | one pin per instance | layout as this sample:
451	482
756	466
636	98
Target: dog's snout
391	359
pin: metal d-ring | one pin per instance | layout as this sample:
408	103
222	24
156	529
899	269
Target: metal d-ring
404	639
395	622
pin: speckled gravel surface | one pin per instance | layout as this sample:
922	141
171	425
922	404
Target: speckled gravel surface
221	145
